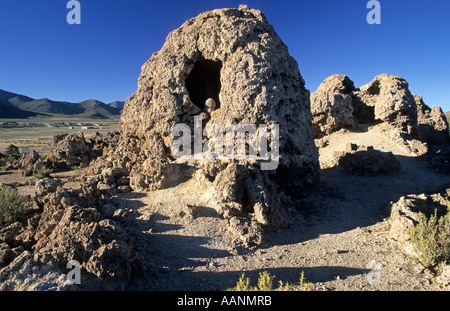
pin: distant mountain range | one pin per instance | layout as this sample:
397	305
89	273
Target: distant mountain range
19	106
117	104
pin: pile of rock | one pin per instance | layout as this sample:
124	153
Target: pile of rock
332	107
365	160
240	191
71	225
30	163
71	150
392	102
405	214
338	104
433	126
108	175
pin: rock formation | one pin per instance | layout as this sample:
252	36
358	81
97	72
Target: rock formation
338	104
392	102
331	105
235	58
406	213
67	225
75	150
362	160
433	125
30	163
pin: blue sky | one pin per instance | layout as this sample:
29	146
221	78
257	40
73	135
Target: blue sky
43	56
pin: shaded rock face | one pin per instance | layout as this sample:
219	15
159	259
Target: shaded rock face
433	125
69	150
362	160
235	58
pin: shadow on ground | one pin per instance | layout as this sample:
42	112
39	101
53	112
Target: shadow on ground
341	202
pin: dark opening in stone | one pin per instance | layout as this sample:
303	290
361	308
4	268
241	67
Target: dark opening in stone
204	82
374	89
363	114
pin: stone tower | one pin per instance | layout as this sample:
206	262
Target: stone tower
234	60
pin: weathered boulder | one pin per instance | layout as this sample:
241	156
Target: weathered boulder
405	214
332	106
362	160
46	186
256	82
337	104
75	150
12	150
433	125
392	102
30	163
444	277
33	272
235	58
240	191
70	225
69	150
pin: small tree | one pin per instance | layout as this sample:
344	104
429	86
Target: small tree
13	206
431	240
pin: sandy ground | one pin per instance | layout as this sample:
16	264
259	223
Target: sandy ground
40	139
336	237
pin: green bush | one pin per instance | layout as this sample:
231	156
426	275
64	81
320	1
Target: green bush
265	283
43	172
242	285
5	160
302	285
431	240
13	207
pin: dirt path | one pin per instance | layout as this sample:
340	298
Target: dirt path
341	229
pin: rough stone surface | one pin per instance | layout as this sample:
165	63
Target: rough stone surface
30	272
405	214
258	83
71	150
392	101
433	125
444	277
337	104
331	105
69	225
365	160
30	163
